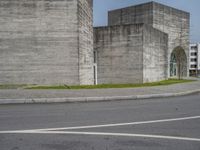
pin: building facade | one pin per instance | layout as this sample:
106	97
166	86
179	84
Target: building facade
194	59
174	22
135	53
46	42
170	21
52	42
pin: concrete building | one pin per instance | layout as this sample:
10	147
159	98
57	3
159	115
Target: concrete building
194	59
50	42
135	53
150	59
46	42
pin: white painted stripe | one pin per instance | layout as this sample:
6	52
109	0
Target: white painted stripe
53	130
108	134
18	131
121	124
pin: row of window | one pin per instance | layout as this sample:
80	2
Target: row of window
193	47
193	60
193	54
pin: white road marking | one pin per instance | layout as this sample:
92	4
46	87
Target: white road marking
110	125
56	130
108	134
18	131
121	124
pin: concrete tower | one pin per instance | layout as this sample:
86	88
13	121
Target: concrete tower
174	22
46	42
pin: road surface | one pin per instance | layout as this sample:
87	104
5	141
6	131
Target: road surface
151	124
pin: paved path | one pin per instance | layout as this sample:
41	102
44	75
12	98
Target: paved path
49	96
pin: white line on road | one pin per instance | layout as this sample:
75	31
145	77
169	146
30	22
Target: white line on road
121	124
56	130
109	125
108	134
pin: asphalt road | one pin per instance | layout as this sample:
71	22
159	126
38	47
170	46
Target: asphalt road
151	124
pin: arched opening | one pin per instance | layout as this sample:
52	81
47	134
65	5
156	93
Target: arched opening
178	63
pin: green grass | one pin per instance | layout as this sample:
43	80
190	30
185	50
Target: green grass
103	86
12	86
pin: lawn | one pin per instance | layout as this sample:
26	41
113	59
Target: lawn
102	86
12	86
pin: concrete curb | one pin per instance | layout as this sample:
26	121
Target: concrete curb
92	99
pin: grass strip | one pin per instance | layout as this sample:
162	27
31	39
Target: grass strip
104	86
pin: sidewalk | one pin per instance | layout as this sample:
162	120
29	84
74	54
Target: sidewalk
20	96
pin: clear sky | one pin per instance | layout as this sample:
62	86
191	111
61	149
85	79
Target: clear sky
101	7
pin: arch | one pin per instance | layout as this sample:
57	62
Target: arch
178	63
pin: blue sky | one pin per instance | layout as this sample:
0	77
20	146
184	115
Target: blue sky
101	7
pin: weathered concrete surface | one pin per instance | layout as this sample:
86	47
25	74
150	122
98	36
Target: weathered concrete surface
42	42
142	13
119	53
85	20
155	50
134	53
172	21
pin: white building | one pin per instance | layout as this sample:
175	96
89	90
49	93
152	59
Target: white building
194	59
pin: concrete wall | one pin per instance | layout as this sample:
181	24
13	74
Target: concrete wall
39	42
119	53
172	21
142	13
176	23
85	19
155	52
131	54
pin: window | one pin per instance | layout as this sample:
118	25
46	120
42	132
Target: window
193	47
193	60
193	66
194	54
